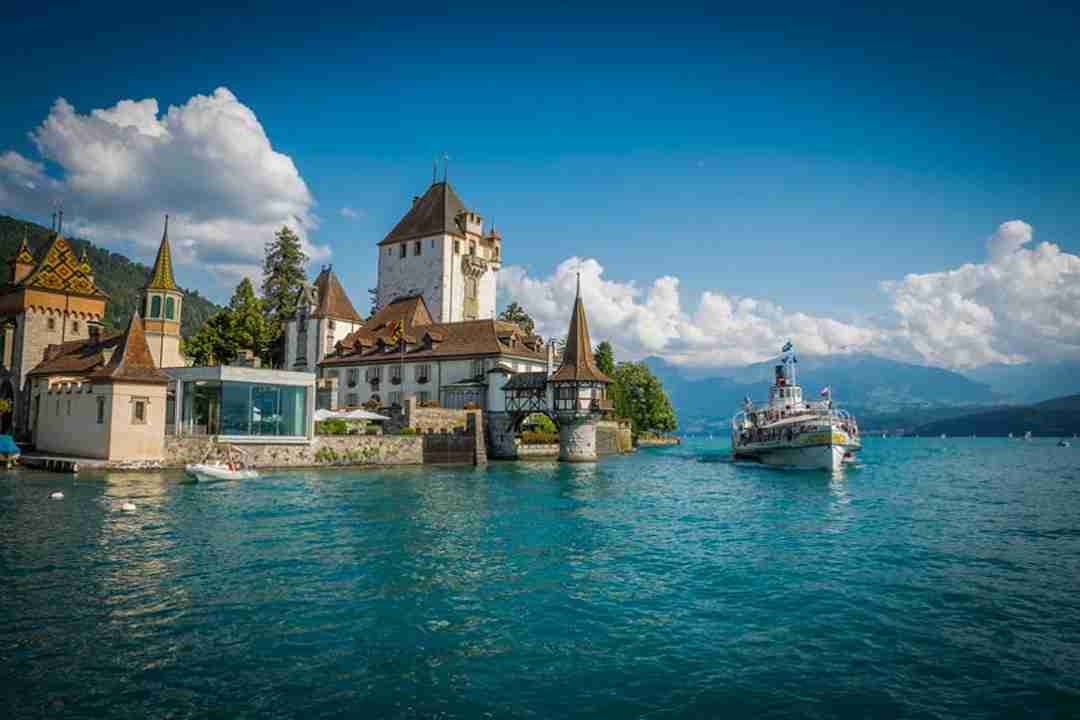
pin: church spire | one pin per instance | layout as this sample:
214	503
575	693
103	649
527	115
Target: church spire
161	277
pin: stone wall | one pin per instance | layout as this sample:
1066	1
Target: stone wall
613	437
323	450
577	439
536	452
658	441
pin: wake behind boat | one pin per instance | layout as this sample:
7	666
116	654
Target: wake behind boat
791	432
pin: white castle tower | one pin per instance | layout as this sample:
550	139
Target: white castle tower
439	251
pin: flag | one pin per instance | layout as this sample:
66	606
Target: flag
826	392
787	347
397	331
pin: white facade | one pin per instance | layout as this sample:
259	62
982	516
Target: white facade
448	381
308	340
456	276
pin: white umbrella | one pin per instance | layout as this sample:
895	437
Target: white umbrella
363	415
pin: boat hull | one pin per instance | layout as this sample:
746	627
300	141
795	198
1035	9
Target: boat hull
814	457
215	473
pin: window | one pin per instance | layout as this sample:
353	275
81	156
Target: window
74	326
170	308
395	398
100	410
390	251
138	412
416	248
69	406
353	377
422	373
423	396
373	375
395	374
352	400
330	325
155	306
457	247
477	368
472	248
331	374
51	323
495	252
58	407
404	249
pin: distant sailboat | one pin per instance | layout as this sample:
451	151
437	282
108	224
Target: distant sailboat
943	436
1010	436
1027	435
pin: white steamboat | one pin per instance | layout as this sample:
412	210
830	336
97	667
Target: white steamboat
791	432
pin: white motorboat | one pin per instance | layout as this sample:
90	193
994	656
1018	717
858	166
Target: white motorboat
791	432
208	472
1064	443
234	467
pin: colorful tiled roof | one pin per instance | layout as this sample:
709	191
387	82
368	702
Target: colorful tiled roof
60	270
578	364
435	213
161	277
23	256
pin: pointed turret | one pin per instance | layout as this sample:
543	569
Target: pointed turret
162	305
22	262
161	277
132	360
578	363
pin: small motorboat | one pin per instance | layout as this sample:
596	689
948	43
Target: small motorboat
1064	443
209	472
233	467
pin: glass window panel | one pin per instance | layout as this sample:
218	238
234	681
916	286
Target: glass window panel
265	410
235	409
170	308
155	306
293	411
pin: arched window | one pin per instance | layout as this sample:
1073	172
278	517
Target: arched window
170	308
155	306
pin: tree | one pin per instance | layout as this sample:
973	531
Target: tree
605	358
212	343
284	271
240	326
639	396
249	328
516	314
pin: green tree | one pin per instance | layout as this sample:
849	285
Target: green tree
639	396
605	358
212	344
516	314
249	328
284	271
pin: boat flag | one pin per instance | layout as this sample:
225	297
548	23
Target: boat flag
787	347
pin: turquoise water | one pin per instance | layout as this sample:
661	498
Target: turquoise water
940	579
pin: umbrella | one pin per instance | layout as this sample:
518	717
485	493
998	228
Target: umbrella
321	415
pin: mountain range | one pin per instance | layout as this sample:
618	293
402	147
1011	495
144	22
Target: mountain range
114	273
1059	417
884	394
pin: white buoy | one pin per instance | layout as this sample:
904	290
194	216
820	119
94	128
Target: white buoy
57	495
128	507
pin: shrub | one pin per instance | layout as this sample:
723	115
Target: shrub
540	423
539	438
332	426
407	431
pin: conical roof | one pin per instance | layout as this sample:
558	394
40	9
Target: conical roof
161	277
333	300
578	363
61	271
23	256
433	214
132	361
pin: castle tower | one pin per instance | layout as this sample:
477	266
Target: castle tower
438	250
579	390
162	305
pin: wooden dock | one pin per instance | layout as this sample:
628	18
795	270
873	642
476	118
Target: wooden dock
58	463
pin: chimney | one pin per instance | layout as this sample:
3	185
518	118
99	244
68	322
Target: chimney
93	329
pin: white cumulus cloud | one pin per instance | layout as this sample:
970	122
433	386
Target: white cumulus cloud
721	330
1020	305
208	163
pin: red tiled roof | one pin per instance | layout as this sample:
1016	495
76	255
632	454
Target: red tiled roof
578	362
333	300
132	361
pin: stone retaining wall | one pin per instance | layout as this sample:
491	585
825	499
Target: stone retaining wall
323	450
658	442
531	452
613	437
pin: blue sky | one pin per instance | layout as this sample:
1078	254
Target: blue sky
801	156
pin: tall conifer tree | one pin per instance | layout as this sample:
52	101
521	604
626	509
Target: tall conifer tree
284	271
